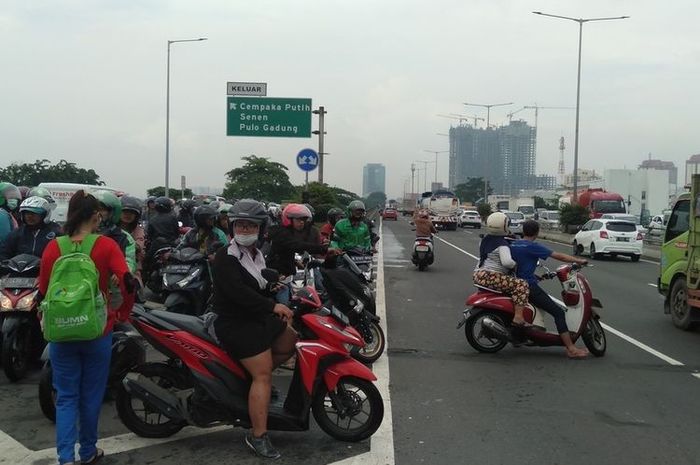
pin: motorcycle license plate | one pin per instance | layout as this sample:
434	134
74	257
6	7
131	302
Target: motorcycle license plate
422	248
17	283
623	239
177	269
362	259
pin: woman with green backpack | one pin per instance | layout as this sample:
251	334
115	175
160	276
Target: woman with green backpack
77	321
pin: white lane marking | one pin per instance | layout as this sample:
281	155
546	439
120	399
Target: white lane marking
395	266
649	261
652	285
697	375
631	340
382	442
14	451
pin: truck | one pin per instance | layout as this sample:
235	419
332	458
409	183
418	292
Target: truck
524	205
679	276
499	202
408	205
600	201
442	206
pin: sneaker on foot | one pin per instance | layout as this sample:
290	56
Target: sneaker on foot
262	446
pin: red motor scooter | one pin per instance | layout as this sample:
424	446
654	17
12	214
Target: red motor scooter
489	314
201	385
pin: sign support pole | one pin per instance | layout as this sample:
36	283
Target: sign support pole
321	132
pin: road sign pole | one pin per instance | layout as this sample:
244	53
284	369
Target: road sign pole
321	131
307	181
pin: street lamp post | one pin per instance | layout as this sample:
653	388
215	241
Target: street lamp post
580	22
436	152
488	125
425	176
167	114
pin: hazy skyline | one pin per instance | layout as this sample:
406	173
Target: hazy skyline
85	81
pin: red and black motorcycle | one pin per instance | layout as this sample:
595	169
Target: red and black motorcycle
489	314
201	385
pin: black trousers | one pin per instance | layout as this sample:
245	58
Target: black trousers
542	300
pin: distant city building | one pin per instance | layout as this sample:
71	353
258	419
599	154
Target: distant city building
584	177
669	166
435	186
646	191
373	178
505	156
692	166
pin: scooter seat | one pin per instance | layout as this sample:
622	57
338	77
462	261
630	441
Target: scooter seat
191	324
487	289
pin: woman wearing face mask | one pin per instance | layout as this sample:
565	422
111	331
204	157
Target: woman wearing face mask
252	328
9	201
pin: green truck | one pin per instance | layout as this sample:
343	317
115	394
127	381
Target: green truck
679	279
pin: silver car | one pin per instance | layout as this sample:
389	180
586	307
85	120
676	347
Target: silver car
516	222
470	218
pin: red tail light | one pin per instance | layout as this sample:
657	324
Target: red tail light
603	234
640	237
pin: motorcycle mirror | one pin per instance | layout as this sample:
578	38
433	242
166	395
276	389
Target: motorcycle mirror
270	275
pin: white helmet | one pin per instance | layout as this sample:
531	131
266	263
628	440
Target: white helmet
37	205
498	224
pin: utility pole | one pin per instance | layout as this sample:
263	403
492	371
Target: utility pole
321	132
488	125
413	175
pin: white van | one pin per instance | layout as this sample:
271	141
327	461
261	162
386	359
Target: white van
63	191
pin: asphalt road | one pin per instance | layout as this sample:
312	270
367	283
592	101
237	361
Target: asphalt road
533	405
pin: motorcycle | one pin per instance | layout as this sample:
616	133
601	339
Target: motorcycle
201	385
22	338
423	255
359	262
154	270
487	319
353	298
128	352
186	281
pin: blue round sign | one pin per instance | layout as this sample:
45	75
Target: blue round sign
307	160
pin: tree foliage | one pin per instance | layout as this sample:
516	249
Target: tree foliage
548	204
484	210
259	179
573	215
32	174
375	200
323	197
472	190
173	193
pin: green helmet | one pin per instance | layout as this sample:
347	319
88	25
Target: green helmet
112	202
10	196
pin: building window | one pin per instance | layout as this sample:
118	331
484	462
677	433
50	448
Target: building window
644	195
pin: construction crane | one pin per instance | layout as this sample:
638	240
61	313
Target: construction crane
538	108
462	118
512	113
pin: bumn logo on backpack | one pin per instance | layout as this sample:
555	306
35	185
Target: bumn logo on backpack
74	308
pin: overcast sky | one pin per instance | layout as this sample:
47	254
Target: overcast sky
85	81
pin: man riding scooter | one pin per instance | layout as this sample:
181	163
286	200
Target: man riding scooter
423	246
352	232
34	234
526	253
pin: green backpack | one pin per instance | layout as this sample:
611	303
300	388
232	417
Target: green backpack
74	308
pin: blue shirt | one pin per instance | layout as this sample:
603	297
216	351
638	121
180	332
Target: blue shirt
526	253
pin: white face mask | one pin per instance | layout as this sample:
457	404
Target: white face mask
246	240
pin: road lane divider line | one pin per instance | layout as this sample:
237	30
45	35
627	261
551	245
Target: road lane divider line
631	340
382	442
652	285
697	375
14	451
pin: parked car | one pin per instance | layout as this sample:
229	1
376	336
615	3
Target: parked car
390	214
470	218
611	237
516	222
548	219
626	217
657	225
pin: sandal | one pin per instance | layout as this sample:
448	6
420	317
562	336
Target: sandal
521	324
99	454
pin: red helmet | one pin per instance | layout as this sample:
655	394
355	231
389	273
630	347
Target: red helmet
294	210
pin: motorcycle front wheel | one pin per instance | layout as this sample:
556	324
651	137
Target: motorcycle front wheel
16	350
371	352
594	337
352	412
138	416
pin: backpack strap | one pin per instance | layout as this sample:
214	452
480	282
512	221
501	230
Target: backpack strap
67	246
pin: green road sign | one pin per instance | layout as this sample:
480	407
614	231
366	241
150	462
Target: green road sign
268	117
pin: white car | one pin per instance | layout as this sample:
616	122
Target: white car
626	217
470	218
516	222
611	237
548	219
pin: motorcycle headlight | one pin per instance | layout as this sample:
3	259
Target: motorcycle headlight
189	278
5	303
26	302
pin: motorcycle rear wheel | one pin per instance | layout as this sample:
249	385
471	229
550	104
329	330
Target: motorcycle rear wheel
137	419
474	331
356	396
594	338
372	351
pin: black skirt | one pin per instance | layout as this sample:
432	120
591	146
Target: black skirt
242	338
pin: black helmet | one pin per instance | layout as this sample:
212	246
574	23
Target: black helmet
131	204
248	209
188	204
203	214
163	204
150	199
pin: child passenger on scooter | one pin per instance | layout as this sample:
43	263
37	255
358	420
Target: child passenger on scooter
496	266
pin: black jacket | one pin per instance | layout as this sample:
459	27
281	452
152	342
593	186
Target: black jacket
285	242
186	218
29	241
162	231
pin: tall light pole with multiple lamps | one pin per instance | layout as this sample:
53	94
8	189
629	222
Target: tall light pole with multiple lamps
167	115
580	22
436	152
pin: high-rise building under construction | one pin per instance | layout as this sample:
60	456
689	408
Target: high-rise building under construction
505	156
